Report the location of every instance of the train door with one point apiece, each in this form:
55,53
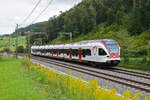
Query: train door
94,53
80,55
70,54
102,54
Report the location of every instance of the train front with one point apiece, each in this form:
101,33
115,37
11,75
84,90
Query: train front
113,50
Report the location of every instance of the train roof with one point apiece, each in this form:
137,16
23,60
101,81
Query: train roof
94,41
85,42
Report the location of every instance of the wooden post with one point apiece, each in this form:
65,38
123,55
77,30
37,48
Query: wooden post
17,41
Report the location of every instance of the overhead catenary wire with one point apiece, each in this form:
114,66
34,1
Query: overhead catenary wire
42,11
32,11
75,2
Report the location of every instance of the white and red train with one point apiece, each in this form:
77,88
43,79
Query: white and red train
96,52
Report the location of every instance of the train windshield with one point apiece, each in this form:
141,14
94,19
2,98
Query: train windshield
112,46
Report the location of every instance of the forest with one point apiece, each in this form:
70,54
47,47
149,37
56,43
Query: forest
126,21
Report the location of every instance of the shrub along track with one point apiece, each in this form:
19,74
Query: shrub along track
143,86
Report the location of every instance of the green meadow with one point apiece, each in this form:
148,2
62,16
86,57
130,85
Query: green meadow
18,83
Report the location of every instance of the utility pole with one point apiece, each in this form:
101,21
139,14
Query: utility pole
9,40
29,45
8,45
17,41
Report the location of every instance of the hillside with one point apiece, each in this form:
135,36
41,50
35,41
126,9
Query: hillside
123,20
25,30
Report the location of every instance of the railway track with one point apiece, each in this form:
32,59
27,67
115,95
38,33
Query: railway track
133,73
142,86
119,70
122,71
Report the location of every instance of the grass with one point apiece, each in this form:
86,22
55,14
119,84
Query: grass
139,64
4,42
17,83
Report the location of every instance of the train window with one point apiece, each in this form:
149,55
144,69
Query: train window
75,52
60,51
64,51
51,51
68,51
86,52
102,52
47,51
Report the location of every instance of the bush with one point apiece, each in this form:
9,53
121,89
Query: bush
144,60
7,50
21,49
141,52
145,35
26,61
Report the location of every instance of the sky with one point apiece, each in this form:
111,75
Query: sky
13,12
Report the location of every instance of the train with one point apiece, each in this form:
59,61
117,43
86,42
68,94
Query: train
100,53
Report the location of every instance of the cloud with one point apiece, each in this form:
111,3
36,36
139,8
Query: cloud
15,11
